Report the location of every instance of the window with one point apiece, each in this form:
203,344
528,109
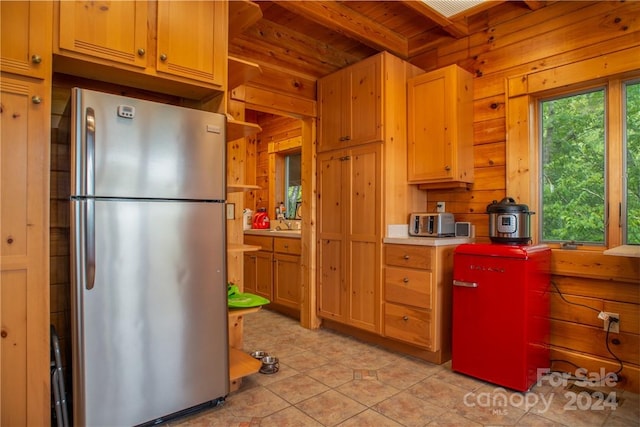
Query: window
589,165
292,183
631,201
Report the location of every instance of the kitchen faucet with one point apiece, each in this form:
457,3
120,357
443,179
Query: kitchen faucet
286,223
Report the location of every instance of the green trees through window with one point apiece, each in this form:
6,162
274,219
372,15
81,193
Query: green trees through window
574,180
632,160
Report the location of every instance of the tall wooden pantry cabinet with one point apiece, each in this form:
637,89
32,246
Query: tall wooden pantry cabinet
25,108
362,185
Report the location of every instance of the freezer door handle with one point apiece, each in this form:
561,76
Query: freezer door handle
465,284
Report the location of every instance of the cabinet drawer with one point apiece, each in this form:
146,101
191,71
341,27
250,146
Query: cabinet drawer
407,286
287,246
265,243
408,324
408,256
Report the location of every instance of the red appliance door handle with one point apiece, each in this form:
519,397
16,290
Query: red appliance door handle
465,284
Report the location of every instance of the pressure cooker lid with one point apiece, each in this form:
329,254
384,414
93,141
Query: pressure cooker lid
507,205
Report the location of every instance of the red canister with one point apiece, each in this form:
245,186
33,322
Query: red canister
261,219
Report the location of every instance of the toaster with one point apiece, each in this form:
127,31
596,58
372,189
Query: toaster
427,224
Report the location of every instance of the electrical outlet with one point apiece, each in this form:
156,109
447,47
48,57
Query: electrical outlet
231,211
439,206
615,326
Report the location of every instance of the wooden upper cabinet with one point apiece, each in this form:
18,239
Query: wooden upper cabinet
113,30
440,121
192,40
25,40
350,105
173,47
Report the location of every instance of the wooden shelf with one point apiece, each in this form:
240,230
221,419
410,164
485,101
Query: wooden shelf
239,247
242,15
444,185
241,364
237,312
239,188
240,72
237,129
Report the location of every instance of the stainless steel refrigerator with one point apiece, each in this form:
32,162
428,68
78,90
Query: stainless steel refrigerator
149,297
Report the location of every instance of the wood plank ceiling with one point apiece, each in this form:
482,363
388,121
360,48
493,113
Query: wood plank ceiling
297,42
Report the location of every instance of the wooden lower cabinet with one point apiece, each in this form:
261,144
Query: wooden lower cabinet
24,251
274,272
417,297
258,267
287,273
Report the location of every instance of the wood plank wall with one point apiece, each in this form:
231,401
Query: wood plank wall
510,41
274,128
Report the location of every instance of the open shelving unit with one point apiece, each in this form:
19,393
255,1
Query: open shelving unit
241,15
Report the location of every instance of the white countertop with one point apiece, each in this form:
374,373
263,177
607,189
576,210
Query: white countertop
294,234
428,241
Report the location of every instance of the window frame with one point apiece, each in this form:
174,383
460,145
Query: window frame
522,149
578,89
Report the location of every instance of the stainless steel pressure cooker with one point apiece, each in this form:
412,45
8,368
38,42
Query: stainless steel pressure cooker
509,222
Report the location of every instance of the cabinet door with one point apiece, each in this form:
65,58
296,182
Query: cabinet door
115,30
332,98
430,126
363,109
350,106
192,40
250,265
24,244
363,236
264,274
331,196
25,39
287,277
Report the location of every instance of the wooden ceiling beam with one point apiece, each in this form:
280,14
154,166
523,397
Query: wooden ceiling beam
350,23
457,29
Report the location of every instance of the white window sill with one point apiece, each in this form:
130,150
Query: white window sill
624,250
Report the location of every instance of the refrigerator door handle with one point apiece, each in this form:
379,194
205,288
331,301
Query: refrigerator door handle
90,132
90,243
465,284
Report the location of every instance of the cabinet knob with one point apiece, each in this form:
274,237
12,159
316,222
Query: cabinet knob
36,99
286,246
3,334
405,280
406,257
447,168
9,240
141,52
347,138
405,318
36,59
341,138
163,57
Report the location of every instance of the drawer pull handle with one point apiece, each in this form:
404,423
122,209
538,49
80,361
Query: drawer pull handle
465,284
405,280
406,257
405,318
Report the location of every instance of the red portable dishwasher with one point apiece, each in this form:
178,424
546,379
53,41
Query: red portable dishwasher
501,312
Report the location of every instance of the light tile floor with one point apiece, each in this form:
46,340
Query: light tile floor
328,379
